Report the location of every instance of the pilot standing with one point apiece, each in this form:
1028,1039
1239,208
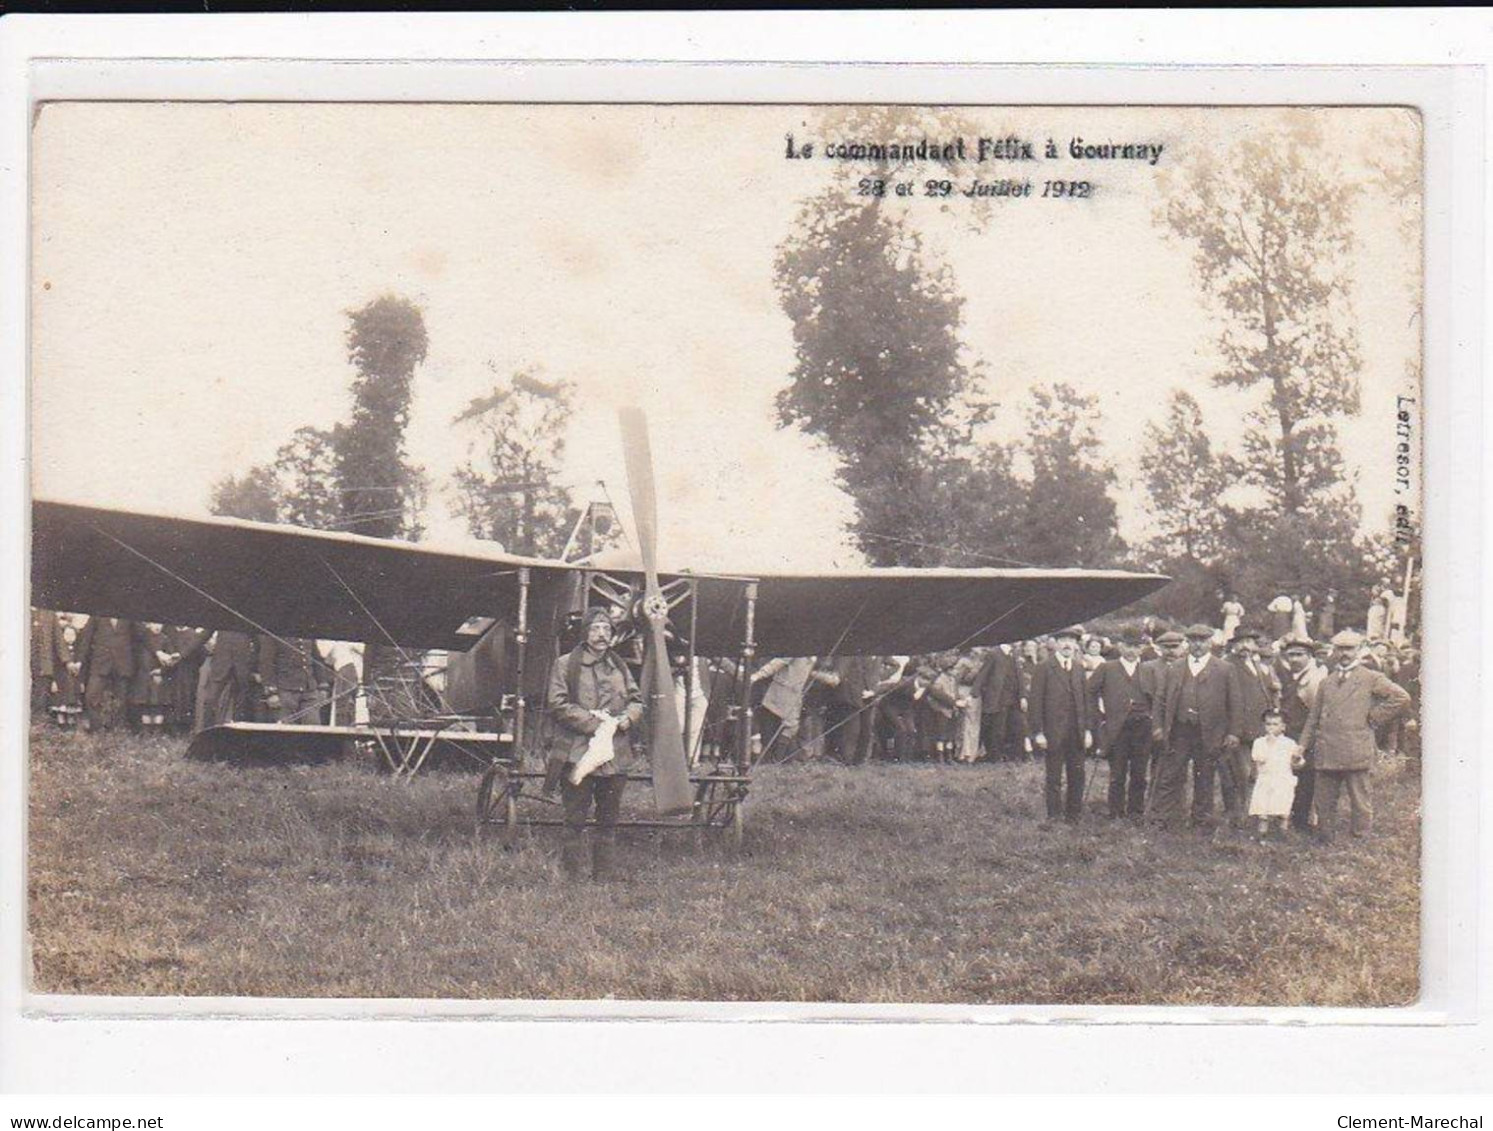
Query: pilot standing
592,680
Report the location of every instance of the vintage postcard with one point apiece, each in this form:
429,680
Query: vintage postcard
696,552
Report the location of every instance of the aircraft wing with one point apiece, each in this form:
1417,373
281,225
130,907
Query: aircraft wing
882,612
255,577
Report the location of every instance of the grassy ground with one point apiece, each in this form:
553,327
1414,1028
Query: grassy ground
152,875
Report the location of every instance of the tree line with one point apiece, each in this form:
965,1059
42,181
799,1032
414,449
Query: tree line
883,377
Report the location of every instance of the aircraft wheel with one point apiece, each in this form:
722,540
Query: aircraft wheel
497,804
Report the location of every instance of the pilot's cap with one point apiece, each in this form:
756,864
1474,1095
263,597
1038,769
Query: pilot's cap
594,614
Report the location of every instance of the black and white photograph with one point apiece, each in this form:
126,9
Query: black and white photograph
684,552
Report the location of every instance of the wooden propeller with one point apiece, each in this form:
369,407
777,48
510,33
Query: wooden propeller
671,786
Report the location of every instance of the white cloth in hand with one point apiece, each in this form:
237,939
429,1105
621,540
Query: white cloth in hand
598,750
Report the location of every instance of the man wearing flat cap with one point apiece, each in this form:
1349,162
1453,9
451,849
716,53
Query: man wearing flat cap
1197,720
1351,702
1170,646
1058,719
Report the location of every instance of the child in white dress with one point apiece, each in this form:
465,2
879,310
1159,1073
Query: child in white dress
1276,759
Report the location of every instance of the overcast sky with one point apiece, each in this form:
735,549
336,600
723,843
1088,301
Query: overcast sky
193,266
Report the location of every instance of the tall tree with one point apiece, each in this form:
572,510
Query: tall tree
1270,230
1069,517
1270,226
508,489
880,373
381,494
1185,479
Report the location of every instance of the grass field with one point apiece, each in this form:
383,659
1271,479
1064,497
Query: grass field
153,875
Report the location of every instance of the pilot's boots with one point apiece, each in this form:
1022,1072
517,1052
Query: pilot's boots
573,855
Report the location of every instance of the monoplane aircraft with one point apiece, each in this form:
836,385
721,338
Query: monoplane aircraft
503,618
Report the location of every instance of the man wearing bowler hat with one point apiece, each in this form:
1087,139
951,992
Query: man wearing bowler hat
1197,720
1352,701
1058,719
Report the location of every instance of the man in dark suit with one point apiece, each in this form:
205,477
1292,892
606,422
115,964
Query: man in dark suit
182,675
230,674
106,650
847,718
1298,691
1197,720
1259,689
1058,717
1170,646
1122,693
997,685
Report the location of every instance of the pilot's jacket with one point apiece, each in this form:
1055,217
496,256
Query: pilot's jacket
582,683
